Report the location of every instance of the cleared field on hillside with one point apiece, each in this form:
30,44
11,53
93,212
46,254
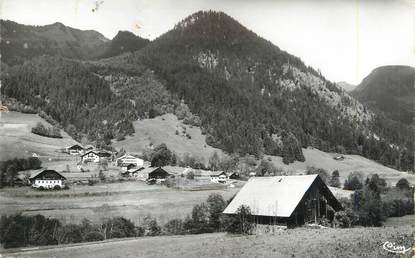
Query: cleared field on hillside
300,242
351,163
16,139
163,129
133,200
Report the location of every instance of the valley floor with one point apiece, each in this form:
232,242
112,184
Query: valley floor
300,242
133,200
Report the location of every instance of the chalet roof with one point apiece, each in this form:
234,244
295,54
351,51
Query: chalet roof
217,173
177,170
104,154
86,153
75,147
158,172
276,196
48,174
127,156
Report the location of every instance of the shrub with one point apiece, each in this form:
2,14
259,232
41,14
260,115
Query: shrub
174,227
402,184
240,222
335,179
368,206
216,205
93,236
319,171
40,129
190,175
375,183
341,220
151,226
57,187
119,227
200,219
161,156
353,182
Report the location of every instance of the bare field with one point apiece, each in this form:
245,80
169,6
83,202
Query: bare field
17,140
133,200
299,242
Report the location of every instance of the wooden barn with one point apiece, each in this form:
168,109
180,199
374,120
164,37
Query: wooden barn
286,200
158,174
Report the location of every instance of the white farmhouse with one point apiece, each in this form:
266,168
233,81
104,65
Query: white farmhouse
218,177
90,156
48,179
129,159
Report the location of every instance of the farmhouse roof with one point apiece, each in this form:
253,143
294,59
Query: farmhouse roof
127,156
276,196
89,152
158,172
104,153
217,173
48,174
177,170
75,147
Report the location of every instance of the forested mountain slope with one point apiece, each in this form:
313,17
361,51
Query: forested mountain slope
20,42
390,89
254,98
247,95
124,41
80,101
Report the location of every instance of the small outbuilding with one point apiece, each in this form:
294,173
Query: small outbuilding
234,175
158,174
286,200
48,179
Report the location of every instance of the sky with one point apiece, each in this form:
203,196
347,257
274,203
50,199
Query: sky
344,39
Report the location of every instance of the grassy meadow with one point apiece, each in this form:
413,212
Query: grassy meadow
133,200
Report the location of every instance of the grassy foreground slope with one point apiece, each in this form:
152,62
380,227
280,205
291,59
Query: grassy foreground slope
300,242
17,140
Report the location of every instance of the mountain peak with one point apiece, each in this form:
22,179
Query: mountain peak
212,23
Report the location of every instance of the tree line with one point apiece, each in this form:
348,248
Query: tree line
10,168
21,230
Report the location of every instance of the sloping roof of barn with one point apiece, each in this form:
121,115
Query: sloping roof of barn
276,196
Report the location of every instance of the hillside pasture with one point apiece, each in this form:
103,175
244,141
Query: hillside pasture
351,163
171,131
17,140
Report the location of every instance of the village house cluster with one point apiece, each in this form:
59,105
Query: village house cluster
129,167
278,200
